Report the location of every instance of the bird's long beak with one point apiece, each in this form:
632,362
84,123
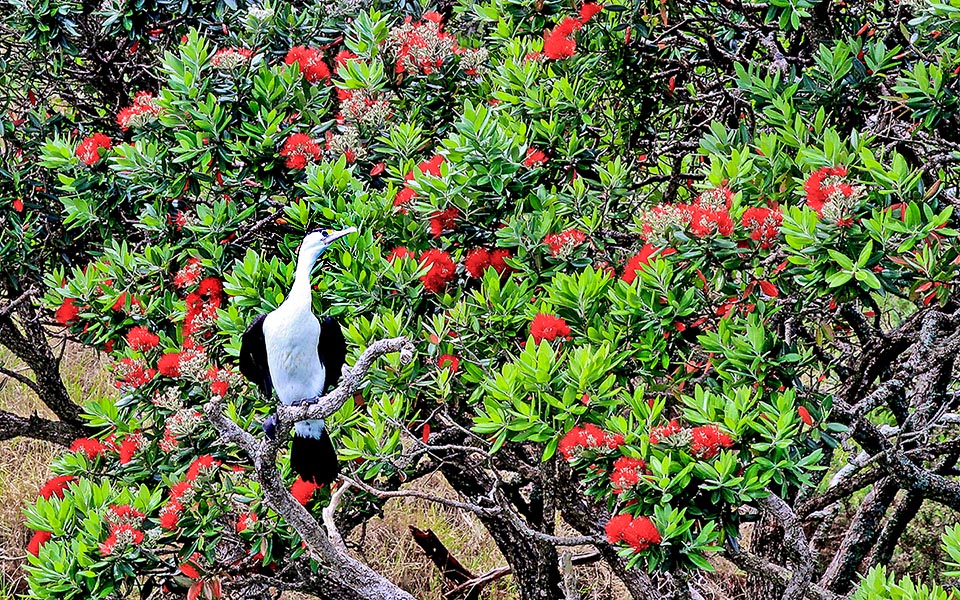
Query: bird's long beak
335,235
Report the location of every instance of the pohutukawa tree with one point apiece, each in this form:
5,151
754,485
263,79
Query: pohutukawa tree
633,278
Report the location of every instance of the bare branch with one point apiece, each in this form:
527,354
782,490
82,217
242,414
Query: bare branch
796,542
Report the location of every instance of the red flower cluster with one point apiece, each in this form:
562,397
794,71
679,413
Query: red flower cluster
141,339
588,10
246,520
642,258
342,57
442,270
299,149
639,533
190,274
219,380
705,220
535,158
400,252
124,514
708,440
429,167
88,150
180,494
91,447
448,360
421,47
587,437
763,223
143,110
231,58
202,466
442,221
478,259
121,302
565,241
548,327
824,183
659,434
311,64
120,536
39,538
303,491
202,308
719,198
133,373
626,473
68,313
128,447
55,486
169,364
557,44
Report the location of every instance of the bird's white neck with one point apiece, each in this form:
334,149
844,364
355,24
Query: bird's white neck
301,292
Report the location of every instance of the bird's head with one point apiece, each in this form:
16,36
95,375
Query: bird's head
318,240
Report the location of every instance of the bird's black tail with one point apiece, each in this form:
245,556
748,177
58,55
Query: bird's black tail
314,459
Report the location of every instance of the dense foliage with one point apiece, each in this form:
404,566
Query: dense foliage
639,269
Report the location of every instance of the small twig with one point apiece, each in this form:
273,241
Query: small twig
4,311
328,513
476,509
482,580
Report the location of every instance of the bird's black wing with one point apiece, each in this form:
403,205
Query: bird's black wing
253,357
332,349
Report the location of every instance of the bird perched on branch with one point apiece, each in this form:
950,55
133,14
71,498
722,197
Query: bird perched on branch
289,350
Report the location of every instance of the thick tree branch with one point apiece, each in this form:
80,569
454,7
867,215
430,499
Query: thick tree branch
36,427
796,543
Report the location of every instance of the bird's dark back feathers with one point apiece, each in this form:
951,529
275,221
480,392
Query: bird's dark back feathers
253,357
332,349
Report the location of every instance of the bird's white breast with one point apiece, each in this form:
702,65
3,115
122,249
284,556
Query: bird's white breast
291,338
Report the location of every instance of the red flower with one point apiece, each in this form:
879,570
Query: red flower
565,241
497,262
68,312
442,270
219,380
719,198
169,364
170,515
476,262
121,535
190,568
639,533
246,520
548,327
299,149
805,415
143,110
824,183
203,465
128,448
587,437
88,150
124,514
230,58
432,166
303,491
121,302
342,57
400,252
89,446
311,63
55,487
443,220
39,538
133,373
706,221
659,434
403,196
626,473
140,338
642,258
763,223
448,360
708,440
535,158
557,43
190,274
588,10
18,205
